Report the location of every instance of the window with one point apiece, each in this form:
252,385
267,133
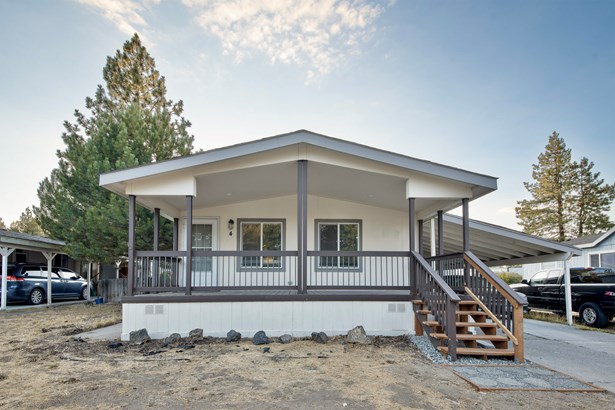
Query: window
539,278
261,236
602,260
338,236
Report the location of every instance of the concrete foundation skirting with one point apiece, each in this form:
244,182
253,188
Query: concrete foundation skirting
276,318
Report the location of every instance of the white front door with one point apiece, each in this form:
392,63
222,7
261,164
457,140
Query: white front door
204,238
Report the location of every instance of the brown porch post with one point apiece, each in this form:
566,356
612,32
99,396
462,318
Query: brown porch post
421,237
156,266
302,226
466,236
188,244
175,233
132,202
411,214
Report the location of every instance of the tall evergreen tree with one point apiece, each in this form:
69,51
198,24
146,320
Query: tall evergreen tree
130,123
546,214
2,225
591,200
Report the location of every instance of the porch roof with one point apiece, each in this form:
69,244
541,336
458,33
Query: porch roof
236,173
496,245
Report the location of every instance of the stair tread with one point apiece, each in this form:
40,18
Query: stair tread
471,312
494,338
417,302
477,351
424,311
467,302
476,324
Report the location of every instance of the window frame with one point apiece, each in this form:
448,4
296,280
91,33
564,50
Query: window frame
240,266
317,222
599,254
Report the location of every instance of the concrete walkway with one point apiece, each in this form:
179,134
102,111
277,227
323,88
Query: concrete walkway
588,355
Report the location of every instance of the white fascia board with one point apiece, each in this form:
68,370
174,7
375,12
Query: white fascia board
600,239
514,235
301,137
553,257
163,185
425,186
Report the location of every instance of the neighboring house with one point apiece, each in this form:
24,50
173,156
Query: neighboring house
597,251
302,232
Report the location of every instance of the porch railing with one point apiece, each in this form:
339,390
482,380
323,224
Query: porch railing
439,298
358,270
164,271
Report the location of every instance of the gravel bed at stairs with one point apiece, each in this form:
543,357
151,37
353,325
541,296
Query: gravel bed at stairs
425,346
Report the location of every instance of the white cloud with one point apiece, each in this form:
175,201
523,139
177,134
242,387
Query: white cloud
317,34
127,15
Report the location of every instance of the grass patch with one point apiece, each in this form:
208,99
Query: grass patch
555,318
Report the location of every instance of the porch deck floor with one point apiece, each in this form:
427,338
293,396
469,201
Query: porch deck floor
254,295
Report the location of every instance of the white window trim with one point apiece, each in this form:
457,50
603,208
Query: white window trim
589,257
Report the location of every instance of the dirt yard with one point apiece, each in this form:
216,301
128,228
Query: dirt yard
43,365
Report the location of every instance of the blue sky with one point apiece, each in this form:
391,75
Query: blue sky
478,85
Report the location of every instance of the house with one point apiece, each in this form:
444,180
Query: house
597,251
302,232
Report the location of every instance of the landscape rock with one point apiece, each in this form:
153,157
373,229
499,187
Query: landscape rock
233,336
196,333
260,338
358,335
139,337
286,338
320,337
172,338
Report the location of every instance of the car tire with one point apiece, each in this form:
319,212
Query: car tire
591,315
84,293
36,296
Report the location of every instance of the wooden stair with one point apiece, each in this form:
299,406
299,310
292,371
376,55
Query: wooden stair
485,342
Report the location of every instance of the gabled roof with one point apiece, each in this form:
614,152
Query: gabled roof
590,241
496,245
488,183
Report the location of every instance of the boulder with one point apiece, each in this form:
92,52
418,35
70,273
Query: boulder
196,333
286,339
358,335
172,338
260,338
320,337
233,336
139,337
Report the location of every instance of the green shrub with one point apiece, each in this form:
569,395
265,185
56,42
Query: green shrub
510,277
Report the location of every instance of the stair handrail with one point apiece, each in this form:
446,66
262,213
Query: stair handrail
449,321
492,316
494,279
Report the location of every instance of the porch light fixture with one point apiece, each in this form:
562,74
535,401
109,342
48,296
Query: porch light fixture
231,225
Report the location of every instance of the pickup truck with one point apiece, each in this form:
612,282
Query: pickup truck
592,290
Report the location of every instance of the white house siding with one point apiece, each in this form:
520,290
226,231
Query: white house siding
299,319
382,230
607,245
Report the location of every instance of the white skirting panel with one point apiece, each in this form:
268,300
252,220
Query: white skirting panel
299,319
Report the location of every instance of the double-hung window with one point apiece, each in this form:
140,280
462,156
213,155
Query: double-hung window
602,260
261,235
338,236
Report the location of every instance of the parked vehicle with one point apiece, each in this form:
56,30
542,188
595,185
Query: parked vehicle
28,283
592,291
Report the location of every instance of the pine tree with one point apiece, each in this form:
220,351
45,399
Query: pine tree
130,123
2,225
591,200
547,213
27,224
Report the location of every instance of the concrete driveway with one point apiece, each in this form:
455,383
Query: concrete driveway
588,355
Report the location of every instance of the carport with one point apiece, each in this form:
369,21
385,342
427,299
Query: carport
10,241
495,246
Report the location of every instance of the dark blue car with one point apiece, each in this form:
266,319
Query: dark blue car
28,283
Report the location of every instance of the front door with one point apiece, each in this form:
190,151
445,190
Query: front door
204,238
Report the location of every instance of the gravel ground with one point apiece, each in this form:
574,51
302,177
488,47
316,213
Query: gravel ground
430,352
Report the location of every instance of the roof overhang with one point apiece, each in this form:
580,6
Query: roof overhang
17,240
266,168
496,245
597,241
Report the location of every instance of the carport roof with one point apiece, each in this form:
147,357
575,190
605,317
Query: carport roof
28,242
496,245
